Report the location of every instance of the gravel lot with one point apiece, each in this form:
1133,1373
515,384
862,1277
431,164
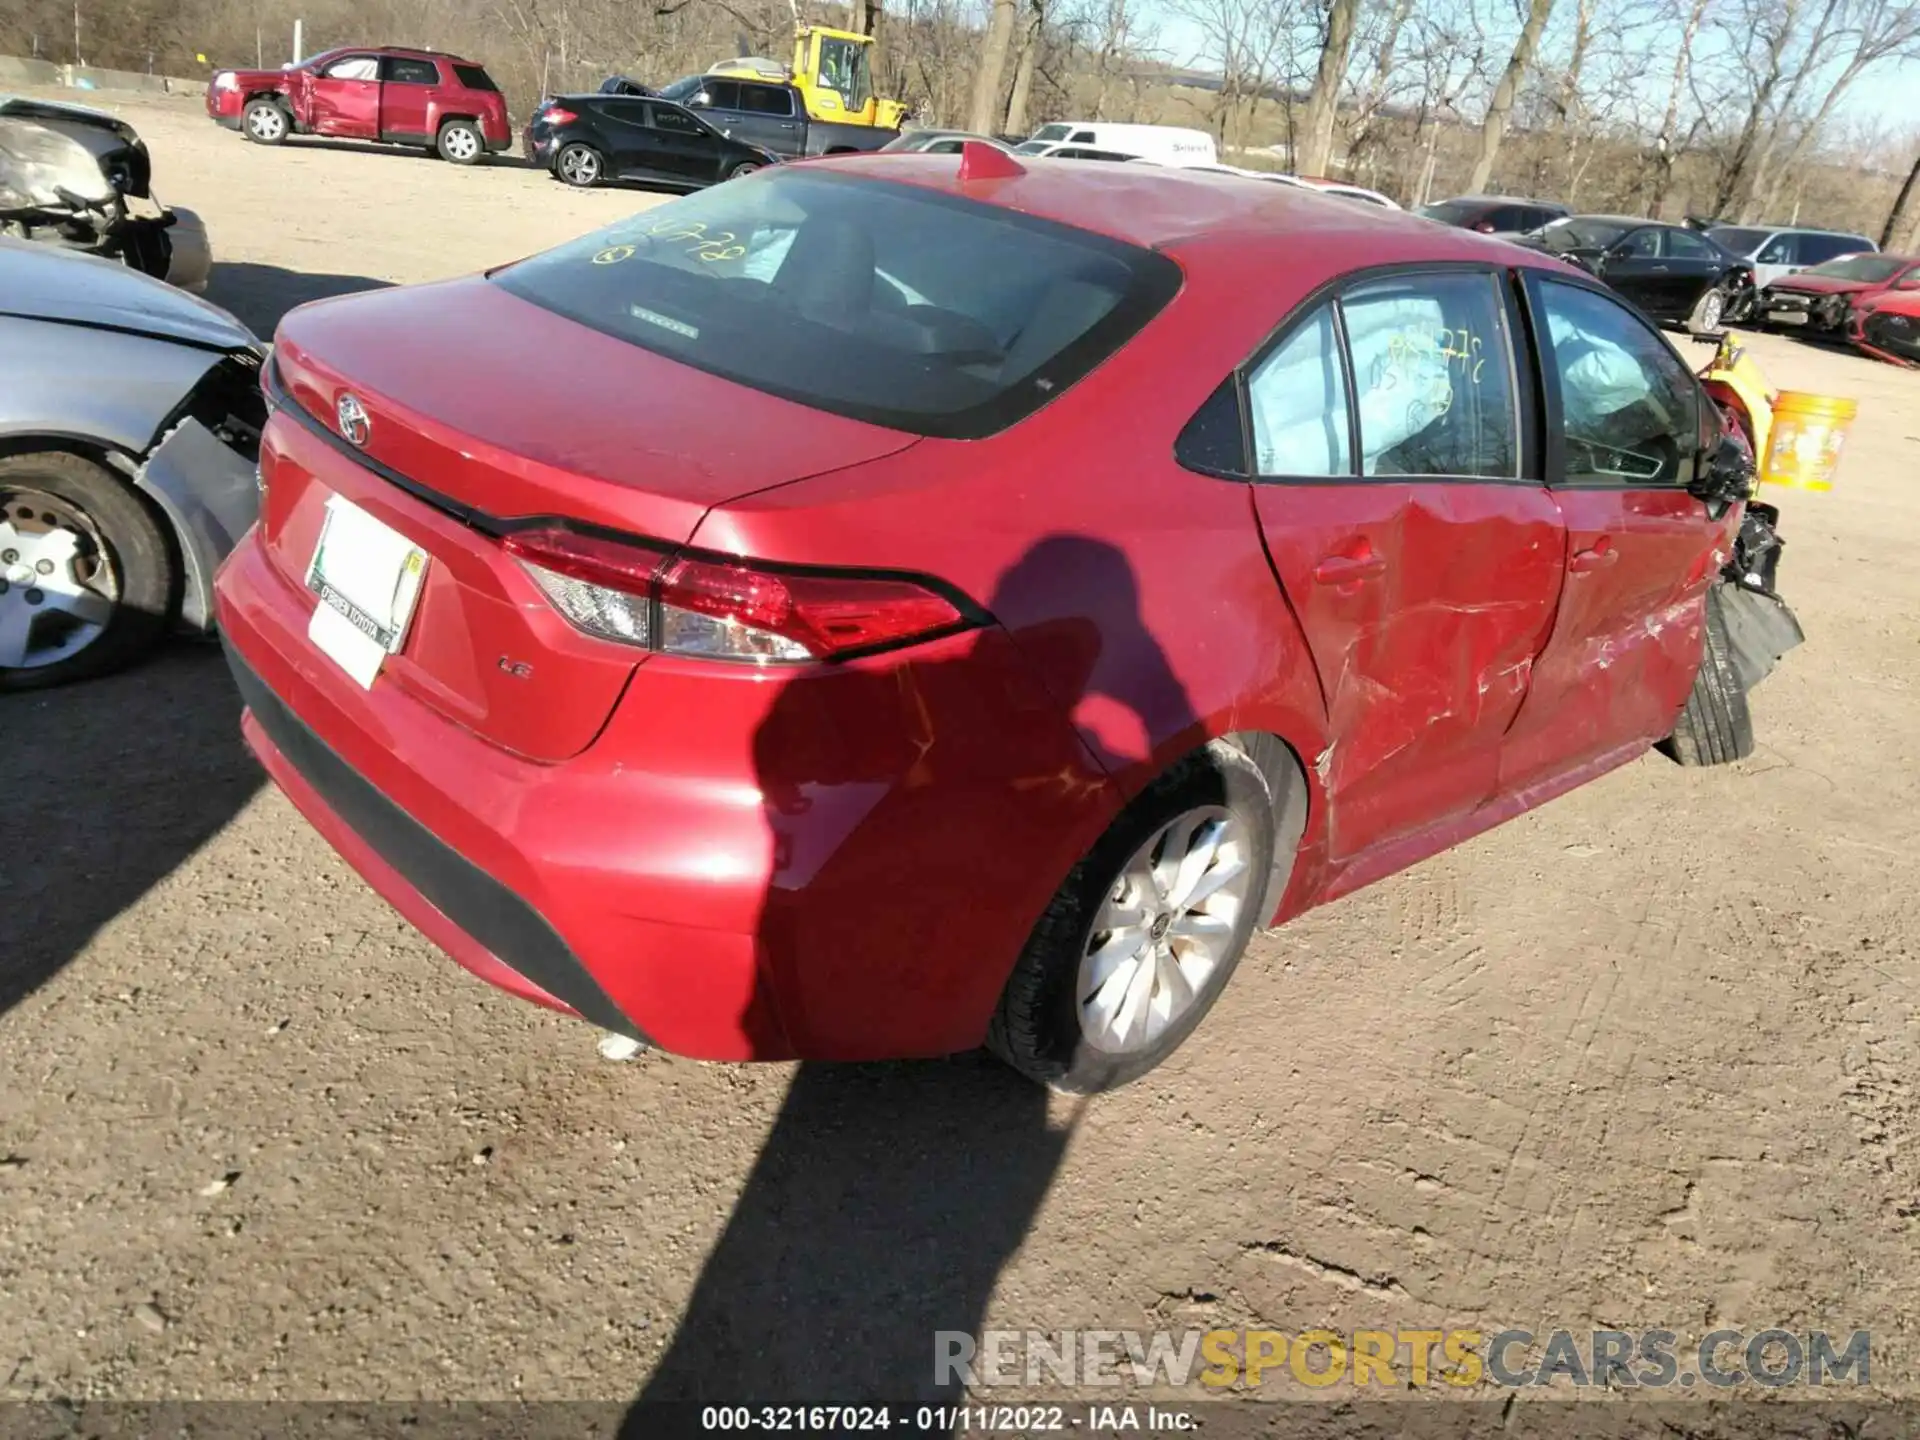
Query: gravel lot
1643,1058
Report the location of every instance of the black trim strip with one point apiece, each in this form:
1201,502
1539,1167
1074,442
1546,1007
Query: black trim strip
498,920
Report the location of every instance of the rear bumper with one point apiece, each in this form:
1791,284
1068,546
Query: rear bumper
729,871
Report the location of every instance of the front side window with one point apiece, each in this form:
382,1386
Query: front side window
843,70
885,302
353,67
1433,376
1298,399
1641,245
1629,409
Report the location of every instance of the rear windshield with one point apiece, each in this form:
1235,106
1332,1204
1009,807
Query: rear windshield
1739,239
880,301
474,78
1869,269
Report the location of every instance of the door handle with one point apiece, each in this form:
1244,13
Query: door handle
1359,564
1585,562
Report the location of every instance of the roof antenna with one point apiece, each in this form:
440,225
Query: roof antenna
981,161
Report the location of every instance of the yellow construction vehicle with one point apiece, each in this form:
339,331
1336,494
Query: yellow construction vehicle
832,70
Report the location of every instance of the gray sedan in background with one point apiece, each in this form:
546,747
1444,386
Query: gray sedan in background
130,419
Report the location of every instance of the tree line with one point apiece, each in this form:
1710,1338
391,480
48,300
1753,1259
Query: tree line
1734,109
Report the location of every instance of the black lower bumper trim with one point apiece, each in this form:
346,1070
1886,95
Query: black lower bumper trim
498,920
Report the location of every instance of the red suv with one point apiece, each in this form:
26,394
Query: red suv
403,97
885,604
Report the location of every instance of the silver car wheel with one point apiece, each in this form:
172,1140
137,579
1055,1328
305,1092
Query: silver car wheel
1711,309
579,165
1165,927
266,122
461,143
57,588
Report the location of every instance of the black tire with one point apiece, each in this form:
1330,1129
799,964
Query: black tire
272,124
1715,727
136,546
1036,1028
579,165
744,168
460,142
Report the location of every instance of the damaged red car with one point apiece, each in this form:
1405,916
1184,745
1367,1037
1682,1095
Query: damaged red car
920,601
1888,324
1824,298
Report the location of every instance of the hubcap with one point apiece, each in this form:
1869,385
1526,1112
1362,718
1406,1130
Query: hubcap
1711,313
57,588
1164,929
266,123
462,143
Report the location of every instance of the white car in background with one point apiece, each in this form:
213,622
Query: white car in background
1776,250
1166,144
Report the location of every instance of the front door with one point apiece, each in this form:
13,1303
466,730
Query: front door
346,98
406,87
1422,567
1636,269
684,149
1624,441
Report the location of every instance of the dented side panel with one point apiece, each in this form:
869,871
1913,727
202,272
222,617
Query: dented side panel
104,387
1425,656
208,491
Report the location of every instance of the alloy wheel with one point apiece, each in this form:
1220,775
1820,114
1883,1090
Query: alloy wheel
579,165
1165,927
266,122
461,143
58,587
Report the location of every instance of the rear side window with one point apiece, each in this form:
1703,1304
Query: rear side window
474,78
1685,245
1298,398
766,100
884,302
399,70
1432,376
665,117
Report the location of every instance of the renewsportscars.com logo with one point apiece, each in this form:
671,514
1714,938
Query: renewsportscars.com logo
1220,1360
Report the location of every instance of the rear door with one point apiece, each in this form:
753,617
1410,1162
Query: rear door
406,85
346,98
1422,564
769,119
1634,267
1624,439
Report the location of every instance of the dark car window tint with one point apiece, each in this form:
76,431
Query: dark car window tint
1630,410
1451,212
1504,217
1298,399
665,117
1739,239
1432,376
1685,245
1084,137
1817,249
723,94
885,302
399,70
1213,442
1642,244
474,78
766,100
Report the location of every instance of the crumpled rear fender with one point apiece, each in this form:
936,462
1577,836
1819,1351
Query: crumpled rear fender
98,387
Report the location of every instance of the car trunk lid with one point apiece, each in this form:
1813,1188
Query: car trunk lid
482,412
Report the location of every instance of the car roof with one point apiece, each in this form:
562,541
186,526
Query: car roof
1166,207
404,52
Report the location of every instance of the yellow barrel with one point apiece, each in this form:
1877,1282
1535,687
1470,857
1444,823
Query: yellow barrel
1808,433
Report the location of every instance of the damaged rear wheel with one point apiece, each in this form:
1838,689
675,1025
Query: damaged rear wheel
88,580
1716,727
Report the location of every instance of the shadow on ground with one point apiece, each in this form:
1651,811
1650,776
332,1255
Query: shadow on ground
111,784
261,294
503,161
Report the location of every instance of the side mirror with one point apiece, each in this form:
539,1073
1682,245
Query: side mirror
1726,473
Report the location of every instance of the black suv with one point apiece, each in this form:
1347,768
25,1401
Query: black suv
587,139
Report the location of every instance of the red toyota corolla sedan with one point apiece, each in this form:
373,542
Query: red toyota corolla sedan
895,603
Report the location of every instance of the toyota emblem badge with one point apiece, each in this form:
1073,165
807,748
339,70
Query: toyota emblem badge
354,423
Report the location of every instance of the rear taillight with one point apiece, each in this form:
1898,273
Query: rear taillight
557,115
715,609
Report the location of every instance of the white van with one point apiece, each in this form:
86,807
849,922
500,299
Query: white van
1166,144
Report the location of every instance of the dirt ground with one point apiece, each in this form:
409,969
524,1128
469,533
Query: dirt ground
1642,1058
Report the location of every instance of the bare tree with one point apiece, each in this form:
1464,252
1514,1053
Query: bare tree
1336,44
987,80
1494,128
1032,39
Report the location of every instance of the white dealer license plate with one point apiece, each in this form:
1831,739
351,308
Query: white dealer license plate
368,578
